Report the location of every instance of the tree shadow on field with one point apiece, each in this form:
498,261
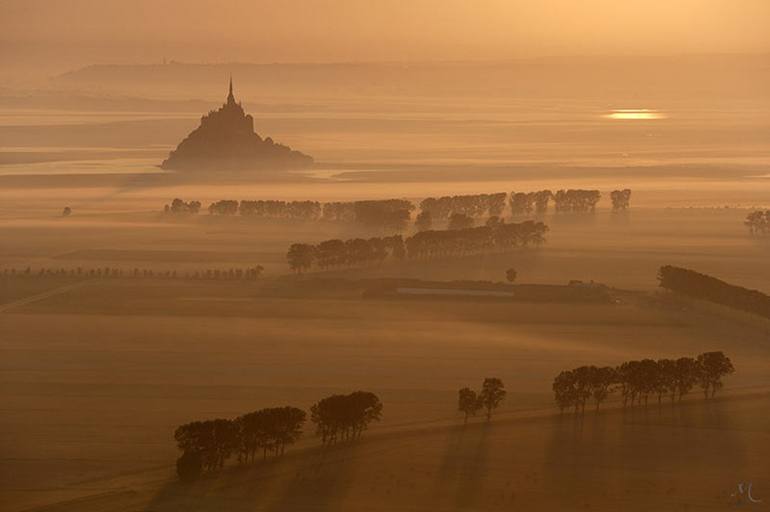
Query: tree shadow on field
463,467
312,480
321,481
684,456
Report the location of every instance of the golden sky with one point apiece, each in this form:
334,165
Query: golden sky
67,33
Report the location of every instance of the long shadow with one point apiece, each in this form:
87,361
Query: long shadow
320,481
685,455
462,468
313,479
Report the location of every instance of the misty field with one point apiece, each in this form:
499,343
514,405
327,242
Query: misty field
95,380
119,322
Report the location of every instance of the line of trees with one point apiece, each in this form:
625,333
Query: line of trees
489,238
525,203
492,394
396,213
345,417
474,206
636,381
576,200
758,222
702,286
224,207
337,253
207,445
248,273
179,206
296,210
393,214
521,204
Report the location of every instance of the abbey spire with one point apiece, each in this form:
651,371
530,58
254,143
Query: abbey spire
230,96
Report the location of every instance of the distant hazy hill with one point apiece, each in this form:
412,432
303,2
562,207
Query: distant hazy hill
588,77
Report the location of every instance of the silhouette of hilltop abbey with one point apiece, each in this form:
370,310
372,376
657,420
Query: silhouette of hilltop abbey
226,139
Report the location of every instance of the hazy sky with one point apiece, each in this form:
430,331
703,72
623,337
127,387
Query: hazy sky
60,34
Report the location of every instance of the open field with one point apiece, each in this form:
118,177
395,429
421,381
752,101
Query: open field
667,459
632,247
96,373
96,379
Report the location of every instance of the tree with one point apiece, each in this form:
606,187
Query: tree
565,390
424,221
223,207
667,379
342,417
66,212
284,426
301,257
178,206
522,203
620,199
189,466
468,403
601,381
213,440
460,221
510,275
583,387
494,221
758,222
705,287
492,394
712,367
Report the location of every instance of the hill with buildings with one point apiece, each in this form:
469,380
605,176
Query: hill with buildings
226,139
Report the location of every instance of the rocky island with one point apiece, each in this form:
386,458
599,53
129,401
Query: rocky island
226,139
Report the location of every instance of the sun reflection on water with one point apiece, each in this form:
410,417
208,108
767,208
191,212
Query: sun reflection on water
636,114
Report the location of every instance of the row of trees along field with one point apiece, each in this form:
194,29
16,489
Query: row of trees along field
228,274
758,222
636,381
520,203
423,245
470,402
207,445
393,214
396,213
179,206
705,287
345,417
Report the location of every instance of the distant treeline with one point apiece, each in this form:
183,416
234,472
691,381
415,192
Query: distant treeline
396,213
702,286
422,245
348,253
207,445
248,273
474,206
178,206
520,203
758,222
490,238
636,381
392,214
